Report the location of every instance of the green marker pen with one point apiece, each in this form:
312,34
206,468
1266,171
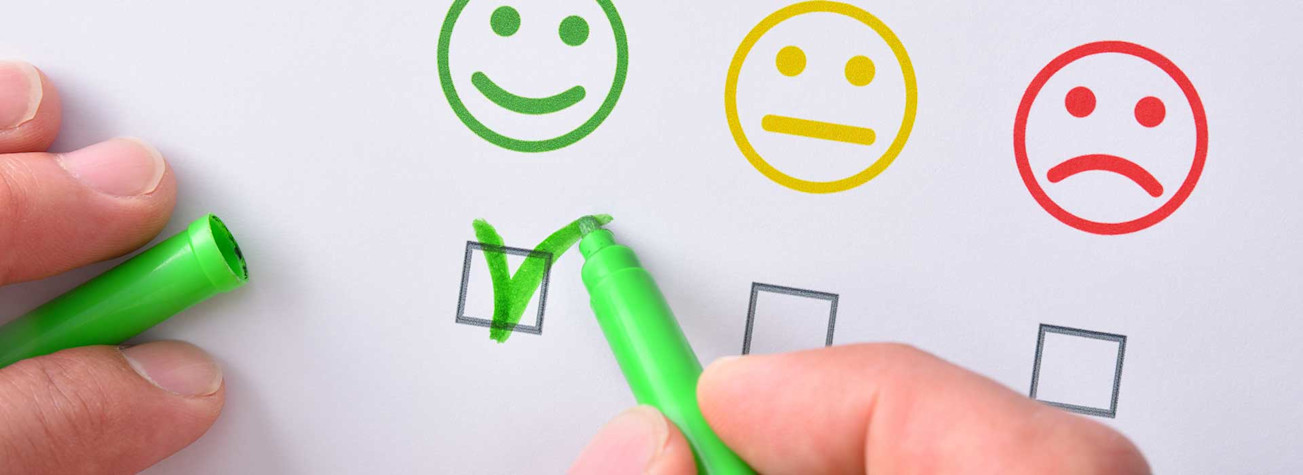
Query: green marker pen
654,356
184,270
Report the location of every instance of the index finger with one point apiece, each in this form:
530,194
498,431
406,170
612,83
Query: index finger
886,408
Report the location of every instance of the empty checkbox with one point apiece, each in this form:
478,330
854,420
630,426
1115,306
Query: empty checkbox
782,319
475,303
1078,370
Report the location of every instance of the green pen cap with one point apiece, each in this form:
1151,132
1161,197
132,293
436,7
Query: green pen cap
181,271
654,355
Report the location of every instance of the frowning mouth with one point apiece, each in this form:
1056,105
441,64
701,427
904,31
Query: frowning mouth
1108,163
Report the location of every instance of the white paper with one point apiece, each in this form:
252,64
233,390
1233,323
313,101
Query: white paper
320,132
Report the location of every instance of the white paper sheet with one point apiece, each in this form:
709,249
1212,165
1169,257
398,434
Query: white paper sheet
321,133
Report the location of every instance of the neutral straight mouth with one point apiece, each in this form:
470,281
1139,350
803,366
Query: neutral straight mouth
818,130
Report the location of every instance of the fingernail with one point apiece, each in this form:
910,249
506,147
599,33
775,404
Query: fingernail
20,93
177,367
118,167
627,444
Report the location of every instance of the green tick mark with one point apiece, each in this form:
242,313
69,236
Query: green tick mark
511,294
525,105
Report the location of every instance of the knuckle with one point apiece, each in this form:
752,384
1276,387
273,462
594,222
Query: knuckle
11,190
65,398
12,204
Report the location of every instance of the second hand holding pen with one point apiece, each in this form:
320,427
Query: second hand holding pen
653,354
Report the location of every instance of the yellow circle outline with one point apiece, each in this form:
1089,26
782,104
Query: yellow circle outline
735,70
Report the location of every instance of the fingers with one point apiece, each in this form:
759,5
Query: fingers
100,410
893,409
58,212
29,109
639,440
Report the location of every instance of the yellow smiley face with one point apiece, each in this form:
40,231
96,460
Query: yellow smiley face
824,81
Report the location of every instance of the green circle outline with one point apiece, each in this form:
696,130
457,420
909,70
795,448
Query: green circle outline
546,145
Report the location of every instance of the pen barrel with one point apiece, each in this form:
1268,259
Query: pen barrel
654,355
127,300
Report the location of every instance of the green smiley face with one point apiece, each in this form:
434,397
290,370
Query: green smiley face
573,32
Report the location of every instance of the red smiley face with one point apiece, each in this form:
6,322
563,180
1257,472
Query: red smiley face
1148,112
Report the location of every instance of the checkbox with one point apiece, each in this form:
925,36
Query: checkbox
782,319
1078,370
475,303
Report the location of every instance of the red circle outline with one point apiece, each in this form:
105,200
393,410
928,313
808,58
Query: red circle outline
1034,89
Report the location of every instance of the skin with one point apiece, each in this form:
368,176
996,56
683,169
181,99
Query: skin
867,408
877,408
91,409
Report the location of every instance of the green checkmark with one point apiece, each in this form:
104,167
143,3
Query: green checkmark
511,294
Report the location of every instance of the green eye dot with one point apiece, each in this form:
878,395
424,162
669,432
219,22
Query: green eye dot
573,31
505,21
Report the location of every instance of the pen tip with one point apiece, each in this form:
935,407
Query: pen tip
588,224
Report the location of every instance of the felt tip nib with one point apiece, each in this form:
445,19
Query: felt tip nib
588,224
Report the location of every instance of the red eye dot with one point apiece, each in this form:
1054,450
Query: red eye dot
1080,101
1150,111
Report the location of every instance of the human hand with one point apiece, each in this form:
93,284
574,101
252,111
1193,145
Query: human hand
867,408
95,409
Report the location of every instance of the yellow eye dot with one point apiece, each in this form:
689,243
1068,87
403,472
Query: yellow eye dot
790,61
860,70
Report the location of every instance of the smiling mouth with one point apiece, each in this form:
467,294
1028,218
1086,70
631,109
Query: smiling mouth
818,130
526,105
1108,163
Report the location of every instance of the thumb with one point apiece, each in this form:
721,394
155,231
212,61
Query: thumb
98,409
638,441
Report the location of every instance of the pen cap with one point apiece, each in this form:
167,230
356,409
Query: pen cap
217,254
181,271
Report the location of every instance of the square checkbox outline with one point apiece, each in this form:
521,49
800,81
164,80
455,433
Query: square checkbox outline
471,247
757,287
1121,340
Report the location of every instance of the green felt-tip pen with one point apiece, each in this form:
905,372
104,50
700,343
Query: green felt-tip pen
181,271
654,356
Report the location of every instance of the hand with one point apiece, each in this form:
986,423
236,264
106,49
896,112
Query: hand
94,409
868,408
